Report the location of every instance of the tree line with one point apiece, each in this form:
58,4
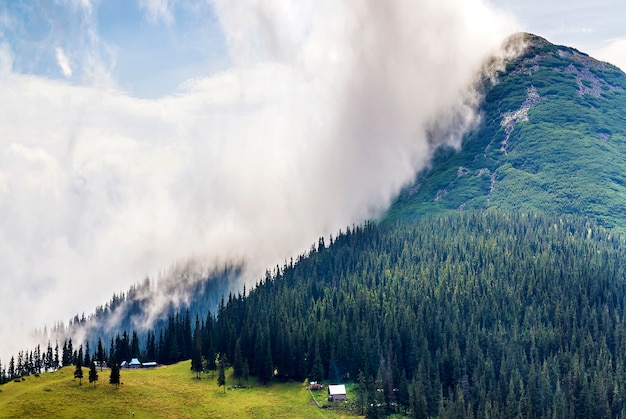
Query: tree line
31,362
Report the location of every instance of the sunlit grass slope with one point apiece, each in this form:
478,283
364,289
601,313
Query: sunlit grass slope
169,392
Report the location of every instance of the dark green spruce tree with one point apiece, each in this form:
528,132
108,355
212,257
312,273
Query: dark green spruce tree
317,372
56,363
246,372
87,360
48,365
78,372
221,375
134,345
114,378
196,350
93,374
238,363
100,355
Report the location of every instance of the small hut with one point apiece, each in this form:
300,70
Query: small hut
337,393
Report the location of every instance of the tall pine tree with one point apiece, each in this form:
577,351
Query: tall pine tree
56,362
238,362
100,356
196,351
221,376
78,372
115,375
93,374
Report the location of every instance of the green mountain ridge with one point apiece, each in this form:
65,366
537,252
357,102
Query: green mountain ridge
552,138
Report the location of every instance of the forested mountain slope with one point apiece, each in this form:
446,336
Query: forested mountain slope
465,315
495,284
552,138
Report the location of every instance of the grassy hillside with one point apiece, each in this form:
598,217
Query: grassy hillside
552,138
169,392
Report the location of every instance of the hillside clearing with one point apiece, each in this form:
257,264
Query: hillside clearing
166,392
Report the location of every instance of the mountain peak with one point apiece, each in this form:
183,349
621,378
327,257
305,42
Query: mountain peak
529,40
552,139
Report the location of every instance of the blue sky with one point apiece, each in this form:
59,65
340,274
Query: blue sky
146,48
596,27
149,47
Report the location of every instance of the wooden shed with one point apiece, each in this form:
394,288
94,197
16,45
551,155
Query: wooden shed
337,393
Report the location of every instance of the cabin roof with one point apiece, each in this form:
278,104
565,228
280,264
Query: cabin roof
336,389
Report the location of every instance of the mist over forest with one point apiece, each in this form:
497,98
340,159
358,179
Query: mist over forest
317,123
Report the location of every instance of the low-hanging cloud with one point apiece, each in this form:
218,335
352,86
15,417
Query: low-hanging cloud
327,111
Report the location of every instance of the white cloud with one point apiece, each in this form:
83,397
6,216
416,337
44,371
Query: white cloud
614,52
63,62
158,10
92,58
85,5
326,115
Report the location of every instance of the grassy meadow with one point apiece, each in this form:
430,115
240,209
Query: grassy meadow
167,392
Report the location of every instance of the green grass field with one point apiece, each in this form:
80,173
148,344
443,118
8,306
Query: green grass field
168,392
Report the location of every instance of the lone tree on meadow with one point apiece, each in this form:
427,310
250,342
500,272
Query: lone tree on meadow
93,374
78,372
115,375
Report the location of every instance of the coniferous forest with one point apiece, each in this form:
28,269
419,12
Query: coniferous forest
467,315
460,315
463,315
